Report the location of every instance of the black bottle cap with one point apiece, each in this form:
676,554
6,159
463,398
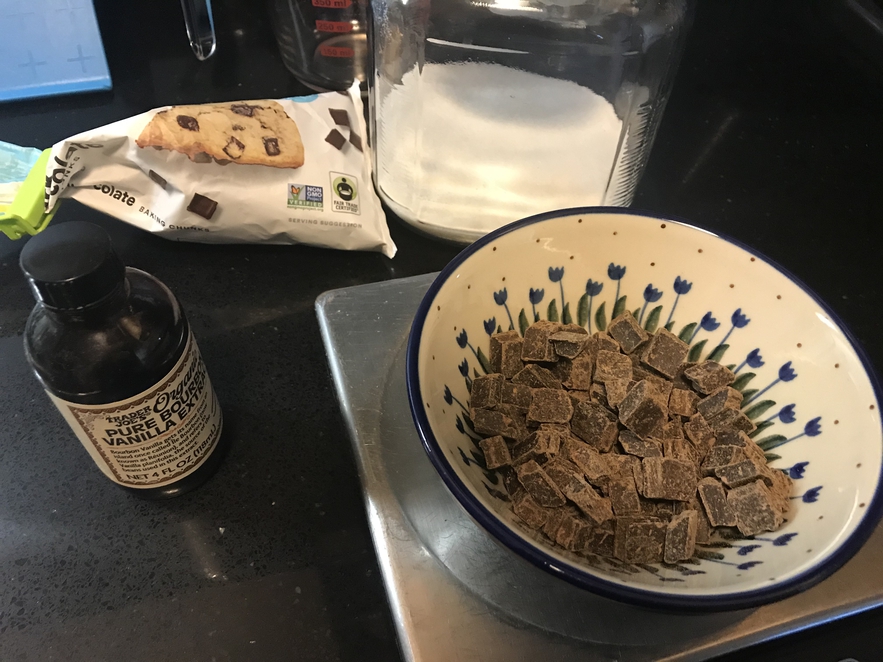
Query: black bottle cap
71,265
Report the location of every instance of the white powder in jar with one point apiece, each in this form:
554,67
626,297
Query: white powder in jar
465,148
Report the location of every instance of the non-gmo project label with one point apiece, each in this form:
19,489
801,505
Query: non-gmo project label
305,197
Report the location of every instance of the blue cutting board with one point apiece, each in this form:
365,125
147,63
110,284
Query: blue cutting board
50,47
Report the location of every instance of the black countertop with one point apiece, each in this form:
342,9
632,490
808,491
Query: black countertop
771,136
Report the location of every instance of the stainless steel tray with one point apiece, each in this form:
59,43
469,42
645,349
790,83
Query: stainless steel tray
458,595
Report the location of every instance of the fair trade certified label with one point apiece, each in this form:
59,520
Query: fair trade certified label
158,436
344,193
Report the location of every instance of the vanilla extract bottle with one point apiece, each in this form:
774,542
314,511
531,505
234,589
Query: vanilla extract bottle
114,351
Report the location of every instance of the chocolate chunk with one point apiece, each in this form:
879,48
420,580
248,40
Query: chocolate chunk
554,517
580,373
639,539
733,437
616,390
496,452
682,402
222,162
681,381
202,206
271,146
590,462
538,485
754,507
566,476
537,346
679,448
766,472
665,352
601,540
536,376
505,353
680,537
643,411
549,406
487,391
573,532
491,423
714,499
595,425
540,445
335,139
624,496
340,116
704,530
513,486
662,385
515,394
244,109
578,396
238,127
561,369
714,404
740,473
594,506
187,122
356,141
518,417
622,466
530,512
202,157
234,148
667,478
159,180
568,343
731,418
627,332
781,490
641,373
561,428
660,508
611,366
699,432
600,340
673,430
721,456
709,376
638,473
598,394
634,445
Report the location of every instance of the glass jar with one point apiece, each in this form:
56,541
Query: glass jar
488,111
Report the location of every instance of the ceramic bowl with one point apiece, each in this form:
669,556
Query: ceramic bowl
805,383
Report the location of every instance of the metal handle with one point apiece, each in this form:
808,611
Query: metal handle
200,27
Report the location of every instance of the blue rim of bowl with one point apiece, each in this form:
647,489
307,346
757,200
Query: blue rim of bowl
645,597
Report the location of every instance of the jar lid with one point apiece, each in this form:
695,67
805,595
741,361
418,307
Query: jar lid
71,265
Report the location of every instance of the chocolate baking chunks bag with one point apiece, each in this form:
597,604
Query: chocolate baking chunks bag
289,171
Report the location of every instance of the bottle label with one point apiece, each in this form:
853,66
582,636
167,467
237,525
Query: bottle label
158,436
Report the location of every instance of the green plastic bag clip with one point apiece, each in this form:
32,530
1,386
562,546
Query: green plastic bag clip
25,215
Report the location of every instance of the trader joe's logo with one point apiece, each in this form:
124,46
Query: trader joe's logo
305,197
